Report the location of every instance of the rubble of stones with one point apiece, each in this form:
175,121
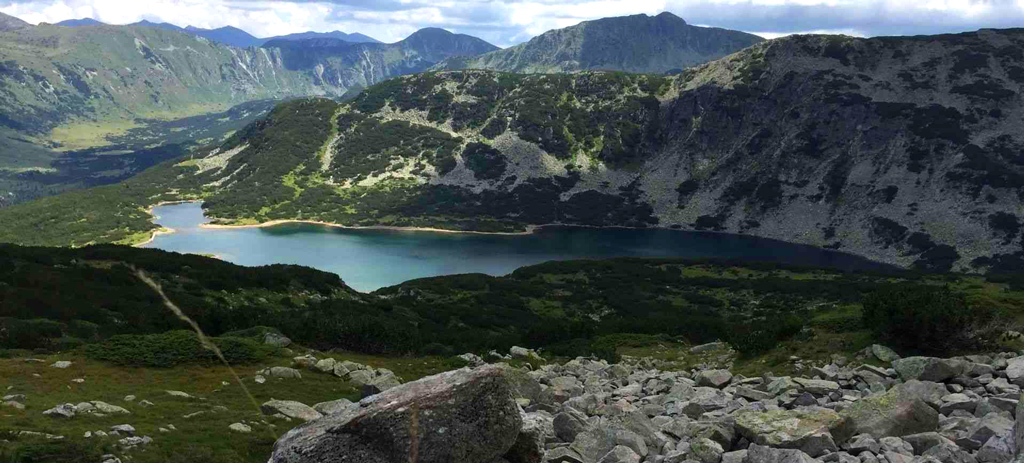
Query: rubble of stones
918,410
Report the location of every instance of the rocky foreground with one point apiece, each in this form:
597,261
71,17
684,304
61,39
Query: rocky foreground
920,409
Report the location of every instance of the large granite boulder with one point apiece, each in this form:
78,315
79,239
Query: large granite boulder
276,340
529,446
763,454
291,409
462,416
895,413
929,368
713,378
802,429
334,407
883,353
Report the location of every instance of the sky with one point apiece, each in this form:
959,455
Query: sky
508,22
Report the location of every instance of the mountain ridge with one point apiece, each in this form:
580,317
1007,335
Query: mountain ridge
11,23
230,35
80,22
637,43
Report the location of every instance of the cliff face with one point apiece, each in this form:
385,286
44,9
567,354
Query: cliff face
638,43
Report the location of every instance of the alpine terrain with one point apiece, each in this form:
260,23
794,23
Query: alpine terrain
639,43
903,150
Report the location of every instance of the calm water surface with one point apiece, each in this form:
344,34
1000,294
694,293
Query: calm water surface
371,259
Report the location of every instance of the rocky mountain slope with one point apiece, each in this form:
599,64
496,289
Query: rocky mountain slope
638,43
903,150
10,23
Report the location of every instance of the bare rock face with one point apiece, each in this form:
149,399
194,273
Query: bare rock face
462,416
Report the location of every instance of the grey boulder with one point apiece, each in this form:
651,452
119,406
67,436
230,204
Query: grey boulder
620,454
380,384
291,409
894,413
713,378
334,407
461,416
61,411
803,429
276,340
529,446
763,454
929,368
283,372
569,424
883,353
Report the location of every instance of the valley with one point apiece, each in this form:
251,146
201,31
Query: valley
69,92
806,139
38,172
630,240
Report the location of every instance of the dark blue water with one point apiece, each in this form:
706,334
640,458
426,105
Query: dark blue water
371,259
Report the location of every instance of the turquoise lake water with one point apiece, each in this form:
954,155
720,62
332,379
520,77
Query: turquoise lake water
372,259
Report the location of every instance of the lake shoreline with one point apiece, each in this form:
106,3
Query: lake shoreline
530,229
152,236
162,230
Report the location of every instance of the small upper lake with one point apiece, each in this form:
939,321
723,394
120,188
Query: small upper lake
372,259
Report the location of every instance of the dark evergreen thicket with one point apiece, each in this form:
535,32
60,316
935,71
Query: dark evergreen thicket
57,298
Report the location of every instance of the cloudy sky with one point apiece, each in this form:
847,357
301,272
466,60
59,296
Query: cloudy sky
507,22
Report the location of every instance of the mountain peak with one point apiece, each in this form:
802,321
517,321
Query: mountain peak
11,23
430,32
665,15
635,43
80,22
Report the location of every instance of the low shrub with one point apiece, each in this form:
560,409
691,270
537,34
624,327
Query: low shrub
454,363
760,336
436,348
176,348
256,332
29,334
65,451
928,319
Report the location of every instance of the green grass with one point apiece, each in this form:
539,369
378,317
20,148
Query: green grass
202,438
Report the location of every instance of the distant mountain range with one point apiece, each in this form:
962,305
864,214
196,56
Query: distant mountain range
637,43
231,35
80,22
84,84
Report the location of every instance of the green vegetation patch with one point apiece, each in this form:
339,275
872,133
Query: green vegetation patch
176,348
371,146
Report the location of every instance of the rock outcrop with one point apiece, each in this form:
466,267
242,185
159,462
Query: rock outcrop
462,416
